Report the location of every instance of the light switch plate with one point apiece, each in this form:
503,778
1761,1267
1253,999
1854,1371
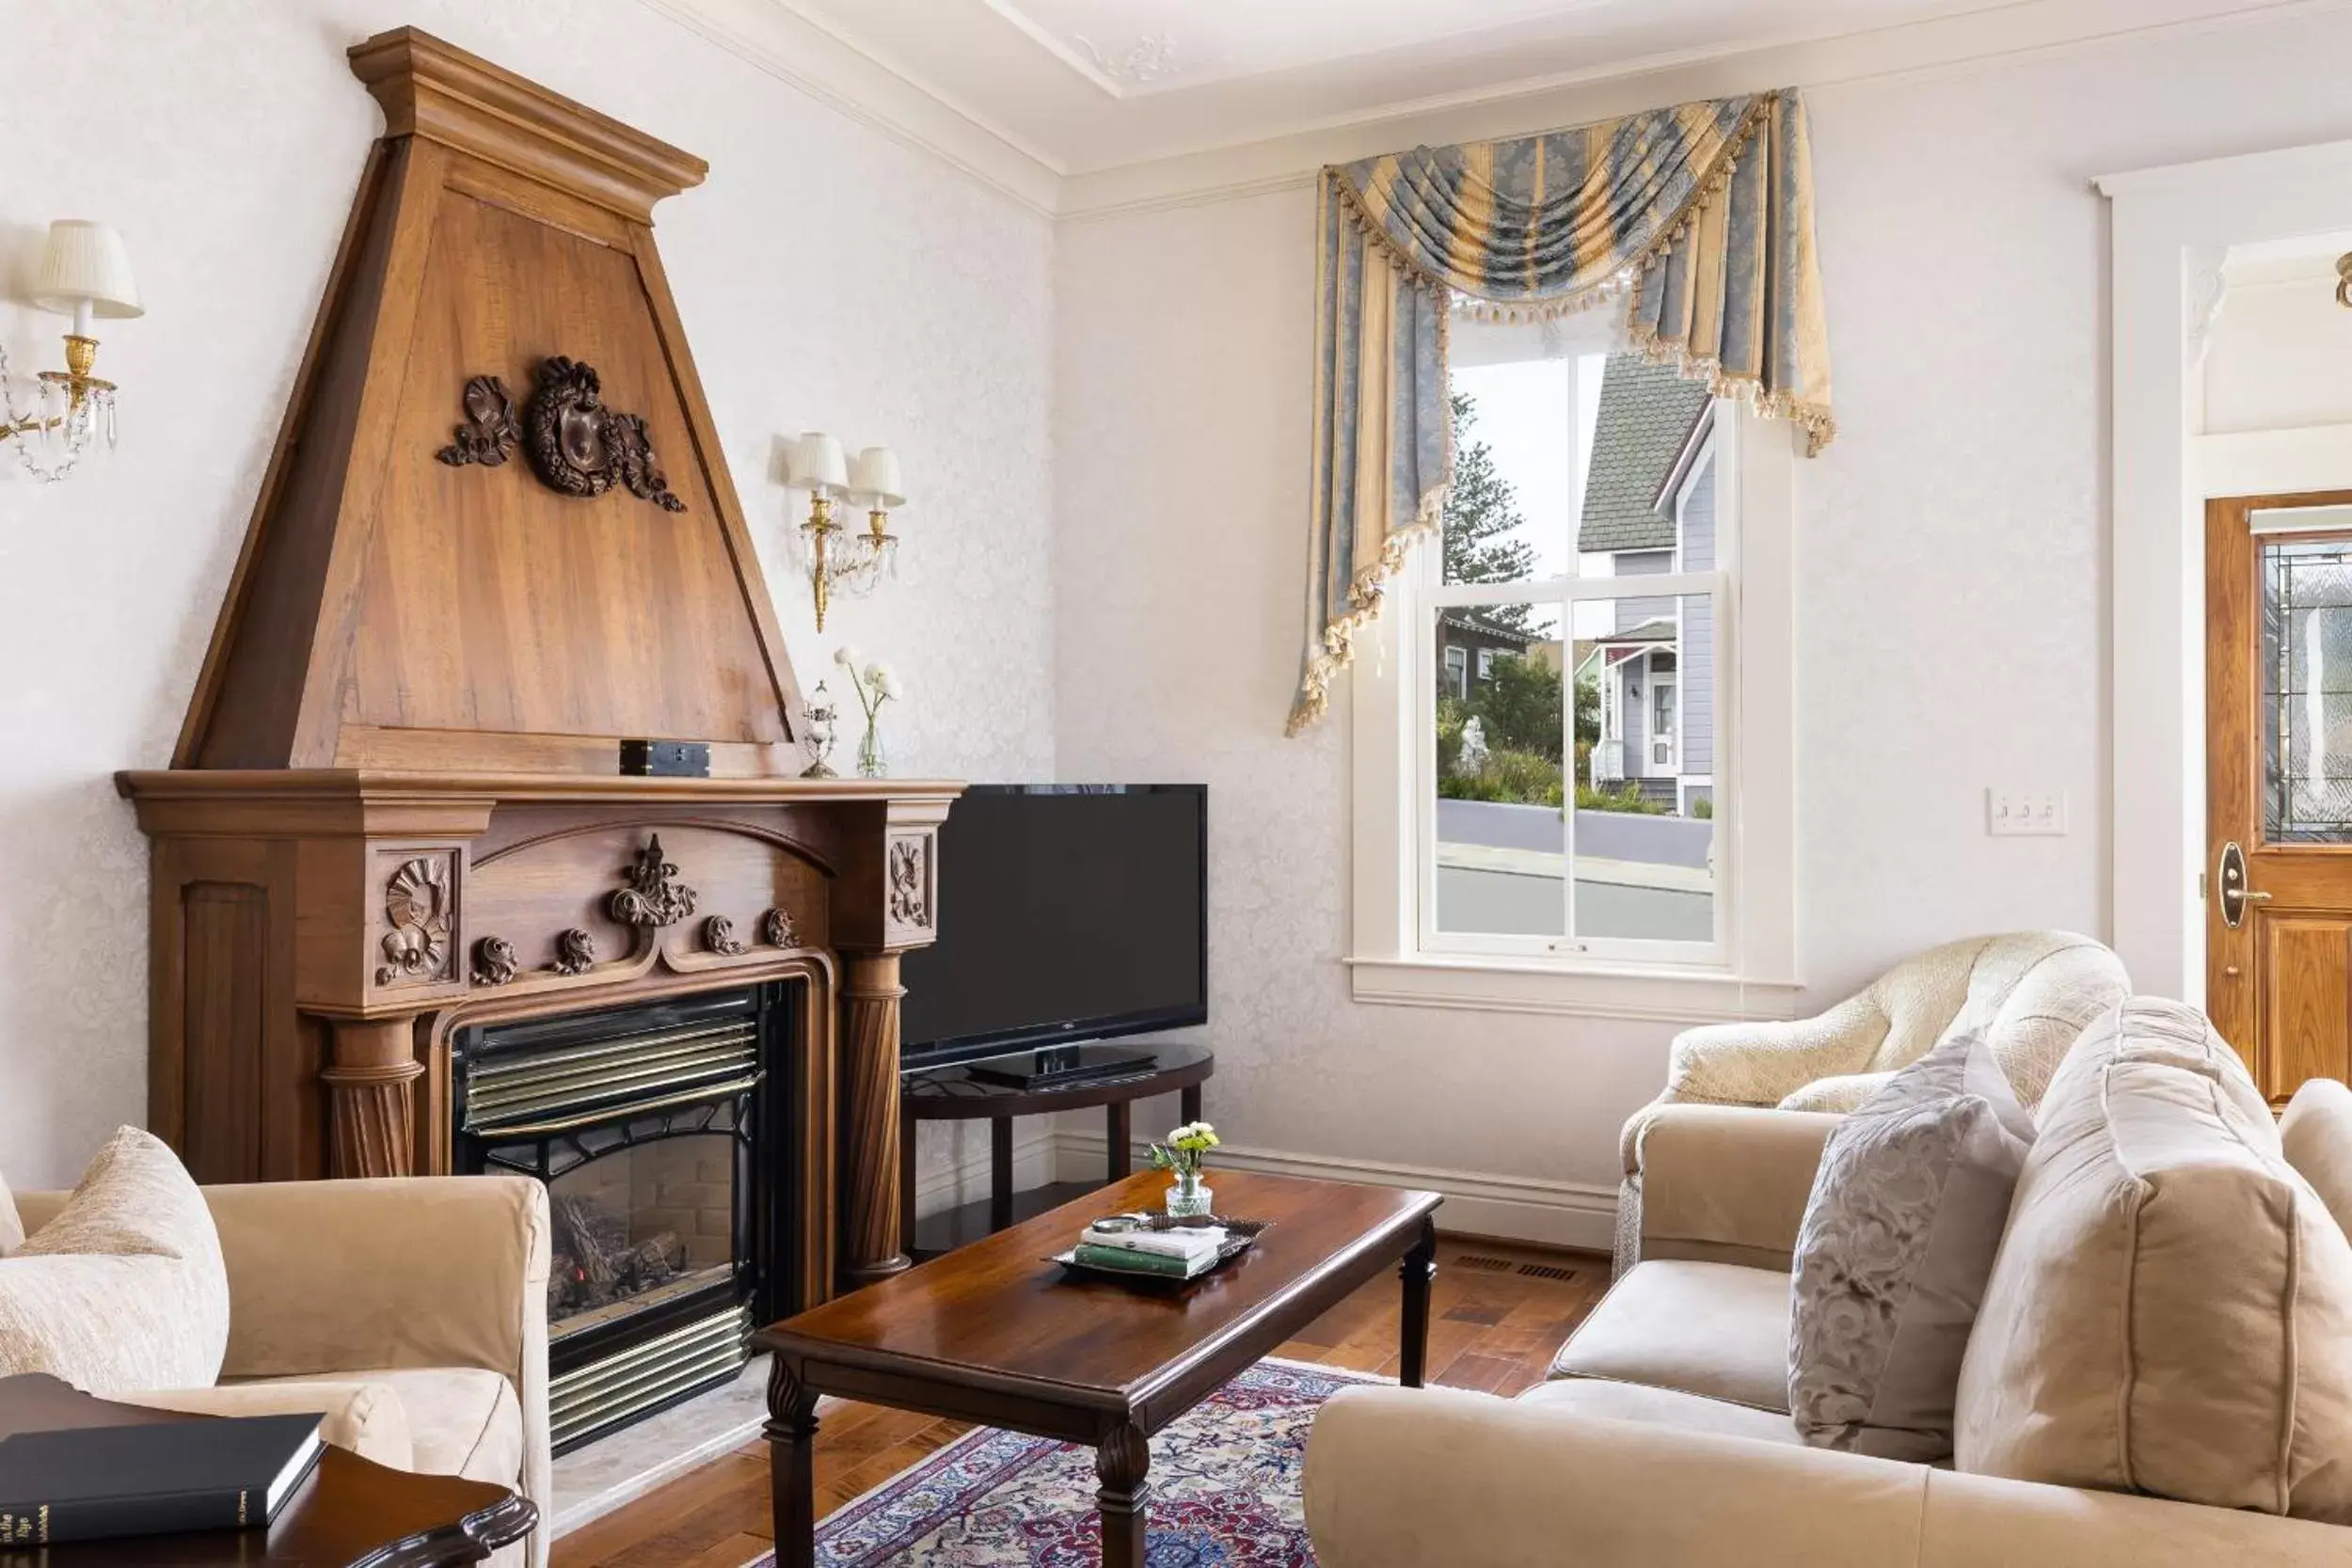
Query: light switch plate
2024,813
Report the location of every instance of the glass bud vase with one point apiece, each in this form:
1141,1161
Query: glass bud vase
1188,1197
871,761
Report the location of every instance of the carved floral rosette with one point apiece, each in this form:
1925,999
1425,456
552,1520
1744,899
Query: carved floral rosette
909,895
654,896
422,912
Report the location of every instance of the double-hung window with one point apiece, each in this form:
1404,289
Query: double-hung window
1572,754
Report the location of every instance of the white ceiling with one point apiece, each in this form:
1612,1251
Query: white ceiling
1086,85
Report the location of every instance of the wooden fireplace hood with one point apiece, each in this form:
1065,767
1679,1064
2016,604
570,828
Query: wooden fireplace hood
497,539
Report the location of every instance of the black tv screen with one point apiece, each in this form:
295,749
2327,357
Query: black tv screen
1066,913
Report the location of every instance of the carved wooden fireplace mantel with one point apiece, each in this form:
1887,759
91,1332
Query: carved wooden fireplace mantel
497,540
319,936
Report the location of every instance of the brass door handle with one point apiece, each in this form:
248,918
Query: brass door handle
2235,894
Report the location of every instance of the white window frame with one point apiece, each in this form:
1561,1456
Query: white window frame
1749,970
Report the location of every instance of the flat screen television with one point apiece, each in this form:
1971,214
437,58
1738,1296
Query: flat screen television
1066,913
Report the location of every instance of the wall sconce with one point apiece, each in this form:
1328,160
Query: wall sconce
85,273
839,560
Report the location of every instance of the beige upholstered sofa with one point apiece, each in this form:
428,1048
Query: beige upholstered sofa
413,1311
1665,1439
2028,995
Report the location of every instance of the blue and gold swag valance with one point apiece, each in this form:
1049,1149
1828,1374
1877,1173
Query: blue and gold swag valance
1698,218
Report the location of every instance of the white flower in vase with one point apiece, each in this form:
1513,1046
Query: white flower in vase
875,684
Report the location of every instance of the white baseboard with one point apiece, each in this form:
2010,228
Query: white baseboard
1510,1208
1036,1157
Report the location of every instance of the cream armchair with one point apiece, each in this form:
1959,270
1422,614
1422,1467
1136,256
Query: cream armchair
413,1311
2028,993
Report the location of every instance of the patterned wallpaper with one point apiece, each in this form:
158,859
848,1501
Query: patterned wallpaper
828,277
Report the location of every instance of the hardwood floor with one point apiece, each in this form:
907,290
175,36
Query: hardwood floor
1497,1311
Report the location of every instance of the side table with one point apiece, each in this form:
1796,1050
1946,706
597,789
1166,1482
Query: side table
952,1094
350,1513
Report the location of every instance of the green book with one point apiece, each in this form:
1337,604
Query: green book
1126,1260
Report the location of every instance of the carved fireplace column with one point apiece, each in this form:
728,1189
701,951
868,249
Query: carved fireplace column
371,1096
896,885
869,1073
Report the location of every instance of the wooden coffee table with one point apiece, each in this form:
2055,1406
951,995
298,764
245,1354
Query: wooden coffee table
350,1513
993,1333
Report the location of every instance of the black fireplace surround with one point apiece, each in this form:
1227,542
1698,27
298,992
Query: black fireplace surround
662,1132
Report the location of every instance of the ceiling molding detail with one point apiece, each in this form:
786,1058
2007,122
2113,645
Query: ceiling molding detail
841,73
2032,29
827,62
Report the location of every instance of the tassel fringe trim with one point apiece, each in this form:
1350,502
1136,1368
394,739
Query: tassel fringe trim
1366,594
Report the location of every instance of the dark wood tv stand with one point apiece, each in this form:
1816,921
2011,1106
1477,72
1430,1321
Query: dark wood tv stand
952,1094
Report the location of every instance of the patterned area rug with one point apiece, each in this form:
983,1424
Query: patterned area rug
1224,1491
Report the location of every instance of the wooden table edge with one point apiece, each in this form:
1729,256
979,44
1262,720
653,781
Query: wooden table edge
1044,1102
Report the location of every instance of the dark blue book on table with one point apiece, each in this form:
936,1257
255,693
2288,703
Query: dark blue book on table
91,1483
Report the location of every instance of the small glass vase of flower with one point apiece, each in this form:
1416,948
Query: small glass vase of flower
1186,1147
875,684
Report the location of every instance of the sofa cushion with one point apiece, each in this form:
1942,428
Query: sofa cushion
12,1230
2315,1134
2169,1307
462,1420
1836,1094
364,1417
124,1289
1907,1213
1666,1407
1714,1329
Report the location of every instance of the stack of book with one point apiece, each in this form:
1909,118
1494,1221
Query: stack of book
1120,1244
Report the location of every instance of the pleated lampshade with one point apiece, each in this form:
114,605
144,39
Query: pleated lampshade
85,264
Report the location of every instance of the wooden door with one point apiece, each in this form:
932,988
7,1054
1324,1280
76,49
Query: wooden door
2278,784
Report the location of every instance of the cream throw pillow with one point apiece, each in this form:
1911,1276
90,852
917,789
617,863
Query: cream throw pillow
124,1292
11,1228
1907,1212
2172,1303
2316,1137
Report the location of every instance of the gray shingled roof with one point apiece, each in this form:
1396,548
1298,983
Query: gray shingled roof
1647,412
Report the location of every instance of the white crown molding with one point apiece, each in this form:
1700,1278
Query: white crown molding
1095,76
2030,29
837,71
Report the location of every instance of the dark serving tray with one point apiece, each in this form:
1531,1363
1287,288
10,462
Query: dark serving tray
1240,1236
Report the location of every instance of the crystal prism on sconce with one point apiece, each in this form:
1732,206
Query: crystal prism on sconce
844,559
85,274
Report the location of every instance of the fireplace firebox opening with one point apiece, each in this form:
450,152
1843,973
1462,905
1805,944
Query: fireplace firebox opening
662,1132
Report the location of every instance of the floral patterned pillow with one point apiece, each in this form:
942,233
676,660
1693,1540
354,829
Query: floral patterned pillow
1898,1239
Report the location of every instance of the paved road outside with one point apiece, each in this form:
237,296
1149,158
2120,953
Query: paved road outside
1637,876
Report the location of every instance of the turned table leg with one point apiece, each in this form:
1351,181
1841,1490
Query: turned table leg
791,1433
1122,1462
1418,1268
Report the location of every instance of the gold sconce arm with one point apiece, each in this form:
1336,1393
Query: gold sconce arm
81,356
820,528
